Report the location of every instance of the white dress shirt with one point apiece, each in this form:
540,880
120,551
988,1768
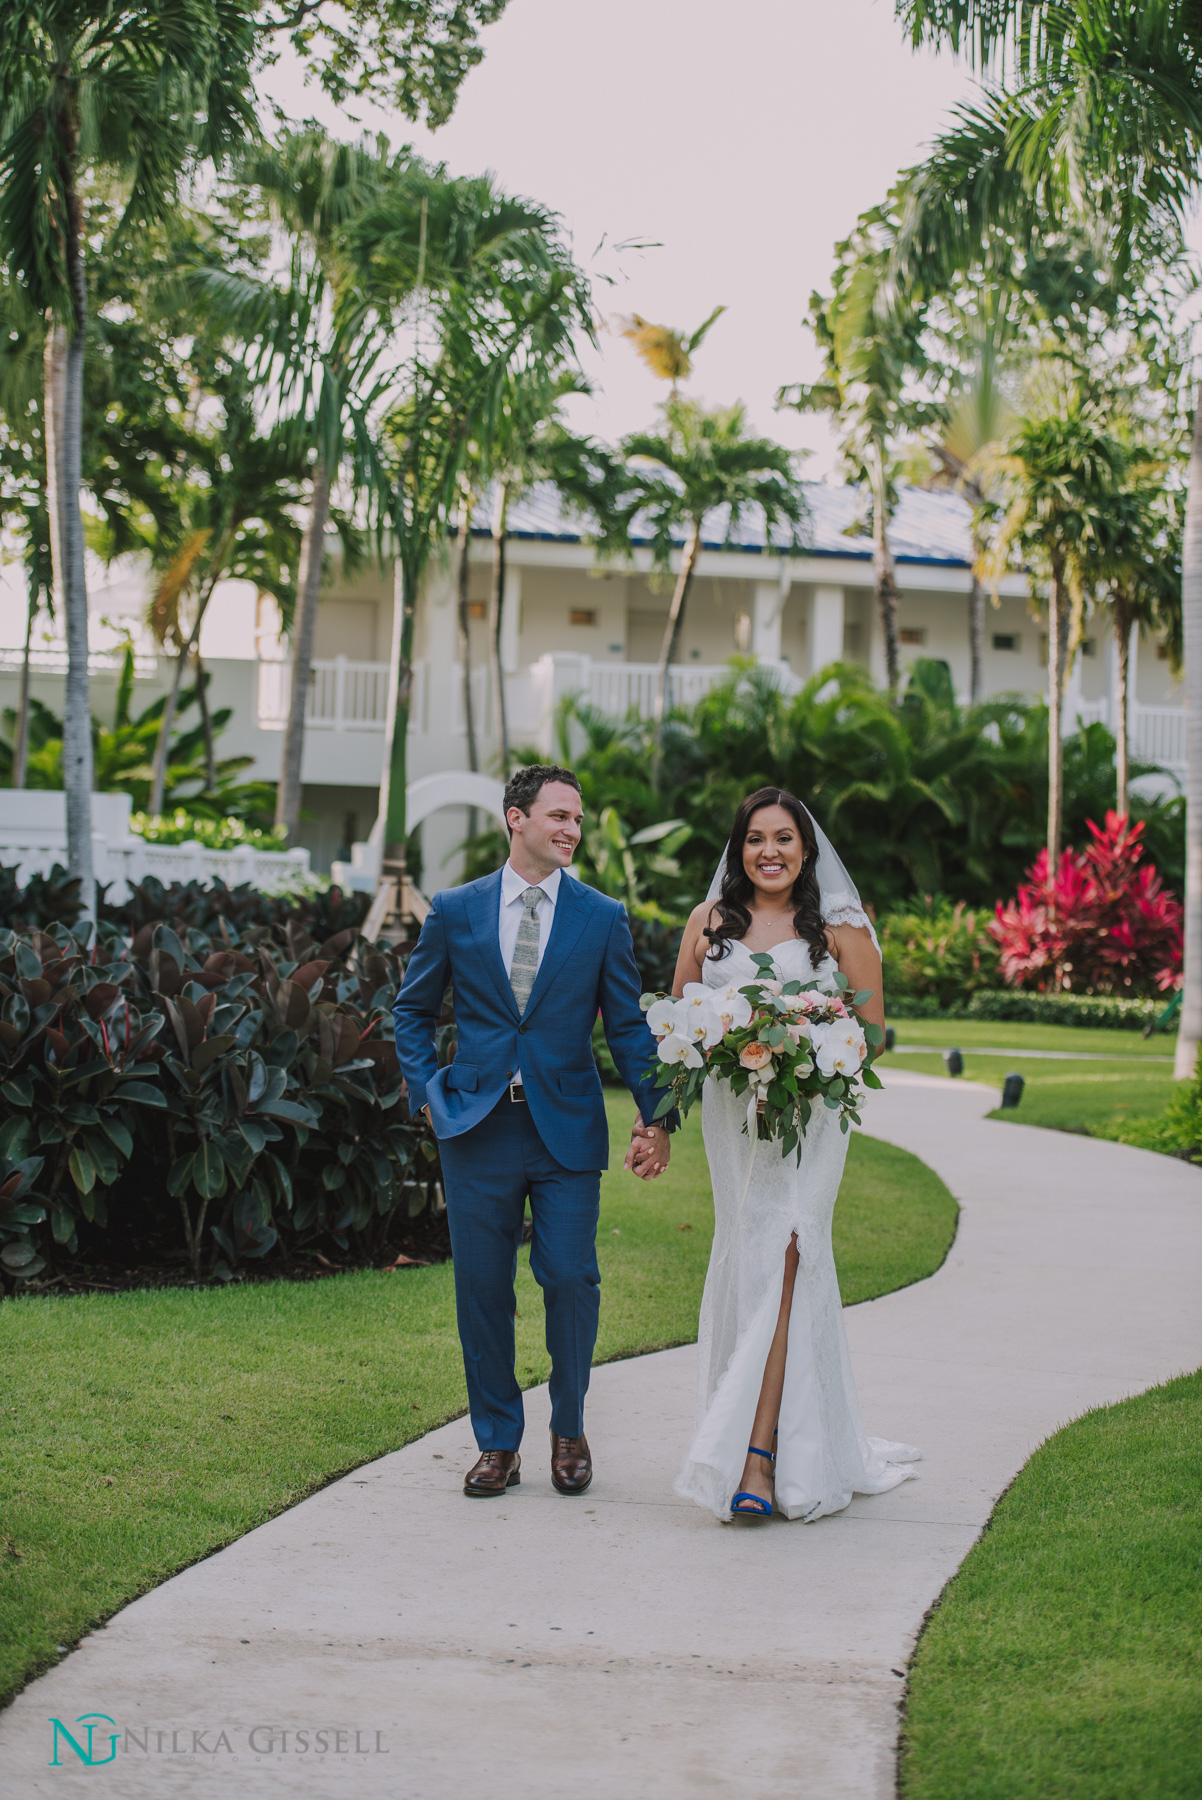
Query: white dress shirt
513,886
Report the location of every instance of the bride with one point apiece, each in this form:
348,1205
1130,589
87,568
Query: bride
778,1420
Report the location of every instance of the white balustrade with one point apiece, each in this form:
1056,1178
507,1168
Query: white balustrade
52,661
343,695
33,837
1159,736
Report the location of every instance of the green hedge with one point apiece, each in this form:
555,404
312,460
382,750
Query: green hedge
207,1099
1011,1004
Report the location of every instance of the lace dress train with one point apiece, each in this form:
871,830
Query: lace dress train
823,1454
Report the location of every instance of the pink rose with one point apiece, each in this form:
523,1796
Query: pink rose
755,1056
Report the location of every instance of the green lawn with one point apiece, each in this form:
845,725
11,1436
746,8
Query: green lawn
143,1430
1067,1095
1064,1661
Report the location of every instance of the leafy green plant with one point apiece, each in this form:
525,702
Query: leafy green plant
236,1094
925,797
184,827
941,949
620,862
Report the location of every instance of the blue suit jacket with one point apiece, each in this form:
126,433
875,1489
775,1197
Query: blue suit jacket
588,965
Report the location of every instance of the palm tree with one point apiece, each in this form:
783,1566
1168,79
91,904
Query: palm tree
1095,116
701,461
667,352
870,345
501,287
1056,476
121,85
977,415
320,338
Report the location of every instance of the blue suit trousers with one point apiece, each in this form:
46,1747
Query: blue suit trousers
489,1171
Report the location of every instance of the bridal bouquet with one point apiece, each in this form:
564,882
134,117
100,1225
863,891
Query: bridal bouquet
786,1045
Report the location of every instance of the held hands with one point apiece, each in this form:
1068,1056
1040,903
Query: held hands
649,1150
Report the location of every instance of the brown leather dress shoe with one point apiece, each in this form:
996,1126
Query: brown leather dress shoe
495,1471
571,1464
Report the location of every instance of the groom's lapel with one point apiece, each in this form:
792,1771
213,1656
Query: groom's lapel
483,914
572,911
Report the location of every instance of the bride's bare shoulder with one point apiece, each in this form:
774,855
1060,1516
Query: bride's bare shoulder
705,913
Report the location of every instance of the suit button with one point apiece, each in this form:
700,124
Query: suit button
521,1031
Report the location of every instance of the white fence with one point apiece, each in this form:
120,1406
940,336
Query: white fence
50,661
1157,732
33,836
343,696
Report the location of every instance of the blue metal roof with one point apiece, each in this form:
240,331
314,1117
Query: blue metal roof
926,527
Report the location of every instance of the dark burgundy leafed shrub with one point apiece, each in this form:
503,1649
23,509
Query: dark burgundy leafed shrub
206,1100
1103,924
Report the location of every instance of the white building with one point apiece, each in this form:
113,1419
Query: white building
568,625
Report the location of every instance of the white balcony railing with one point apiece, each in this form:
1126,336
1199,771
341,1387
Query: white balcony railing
343,696
52,660
1157,732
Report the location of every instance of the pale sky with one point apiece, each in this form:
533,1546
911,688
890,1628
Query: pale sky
744,141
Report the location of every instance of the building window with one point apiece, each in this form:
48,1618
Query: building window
695,655
477,609
616,649
1089,646
582,615
1006,640
912,634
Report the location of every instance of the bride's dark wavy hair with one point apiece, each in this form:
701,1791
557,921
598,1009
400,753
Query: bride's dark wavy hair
734,897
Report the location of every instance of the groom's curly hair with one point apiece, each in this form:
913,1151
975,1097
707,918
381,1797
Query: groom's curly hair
523,786
733,905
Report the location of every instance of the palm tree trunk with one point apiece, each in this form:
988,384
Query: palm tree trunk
883,575
1121,622
976,628
206,723
396,751
67,456
500,520
162,747
1058,636
1190,1034
287,809
671,642
465,646
21,733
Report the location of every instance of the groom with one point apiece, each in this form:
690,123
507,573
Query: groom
533,955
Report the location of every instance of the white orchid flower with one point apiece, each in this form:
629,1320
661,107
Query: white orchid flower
677,1049
697,1017
732,1007
662,1017
838,1048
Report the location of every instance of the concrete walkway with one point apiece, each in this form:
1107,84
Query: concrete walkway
624,1646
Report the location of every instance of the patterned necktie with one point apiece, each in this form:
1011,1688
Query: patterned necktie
525,952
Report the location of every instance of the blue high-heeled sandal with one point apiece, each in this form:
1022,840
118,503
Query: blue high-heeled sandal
759,1509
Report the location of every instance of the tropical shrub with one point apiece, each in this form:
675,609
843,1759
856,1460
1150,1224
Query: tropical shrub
1103,922
234,1095
184,827
1177,1131
942,950
54,899
1106,1012
925,797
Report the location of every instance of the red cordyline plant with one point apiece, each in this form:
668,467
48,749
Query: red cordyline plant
1104,924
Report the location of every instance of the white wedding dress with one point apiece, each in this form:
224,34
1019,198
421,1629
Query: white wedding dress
822,1454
